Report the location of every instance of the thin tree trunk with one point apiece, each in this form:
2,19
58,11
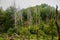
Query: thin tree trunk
37,35
52,36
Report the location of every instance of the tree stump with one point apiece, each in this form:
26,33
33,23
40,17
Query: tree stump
11,38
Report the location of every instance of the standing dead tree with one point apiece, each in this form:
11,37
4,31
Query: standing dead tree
57,26
29,17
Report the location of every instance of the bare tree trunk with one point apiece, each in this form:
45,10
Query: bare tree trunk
57,23
52,36
57,30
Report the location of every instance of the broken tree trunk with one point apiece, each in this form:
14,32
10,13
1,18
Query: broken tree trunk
57,26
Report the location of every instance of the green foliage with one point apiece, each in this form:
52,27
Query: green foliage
9,19
2,20
42,17
24,15
33,29
13,31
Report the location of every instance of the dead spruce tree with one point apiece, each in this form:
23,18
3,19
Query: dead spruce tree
57,26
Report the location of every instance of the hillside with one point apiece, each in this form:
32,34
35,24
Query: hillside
33,23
